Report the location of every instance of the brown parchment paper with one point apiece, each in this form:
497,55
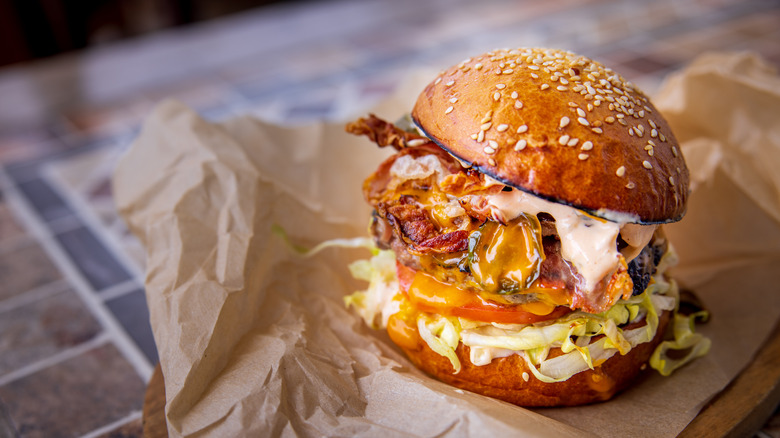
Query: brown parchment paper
255,340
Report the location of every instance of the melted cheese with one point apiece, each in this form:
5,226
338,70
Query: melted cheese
587,243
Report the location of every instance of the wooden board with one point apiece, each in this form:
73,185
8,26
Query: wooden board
154,407
741,409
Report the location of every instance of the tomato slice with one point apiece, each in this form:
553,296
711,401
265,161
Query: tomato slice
431,295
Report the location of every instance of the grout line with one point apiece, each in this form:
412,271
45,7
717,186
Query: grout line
33,295
121,338
118,290
135,415
88,218
99,340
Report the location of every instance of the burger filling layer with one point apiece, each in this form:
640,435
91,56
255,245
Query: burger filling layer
461,257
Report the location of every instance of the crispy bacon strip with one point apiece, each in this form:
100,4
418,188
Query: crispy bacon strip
412,223
384,133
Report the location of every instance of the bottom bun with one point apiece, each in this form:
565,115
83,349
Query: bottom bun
503,377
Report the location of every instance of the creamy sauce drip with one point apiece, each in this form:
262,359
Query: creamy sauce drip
586,242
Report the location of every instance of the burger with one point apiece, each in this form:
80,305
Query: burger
518,230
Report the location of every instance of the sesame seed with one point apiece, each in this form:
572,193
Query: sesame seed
582,156
486,126
661,136
652,124
573,142
545,86
653,133
508,71
597,123
588,145
651,143
583,121
533,67
478,66
561,88
473,136
518,104
454,100
631,131
534,75
619,116
448,110
646,164
492,162
436,82
648,109
620,171
581,112
521,145
671,180
502,127
522,129
450,83
486,119
630,185
481,136
622,122
489,150
563,139
597,130
564,81
564,122
590,106
609,119
572,104
641,113
500,86
493,143
514,95
597,102
674,151
496,96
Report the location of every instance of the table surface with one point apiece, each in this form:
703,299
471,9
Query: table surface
76,349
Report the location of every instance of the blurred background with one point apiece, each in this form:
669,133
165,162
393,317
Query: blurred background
39,28
78,77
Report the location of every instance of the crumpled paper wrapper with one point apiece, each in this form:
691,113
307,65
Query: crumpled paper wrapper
255,340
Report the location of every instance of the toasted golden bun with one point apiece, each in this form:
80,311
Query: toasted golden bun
503,377
562,127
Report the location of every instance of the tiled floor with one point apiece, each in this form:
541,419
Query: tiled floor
75,344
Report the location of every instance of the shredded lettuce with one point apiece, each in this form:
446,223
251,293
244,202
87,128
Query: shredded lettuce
378,301
357,242
686,343
441,335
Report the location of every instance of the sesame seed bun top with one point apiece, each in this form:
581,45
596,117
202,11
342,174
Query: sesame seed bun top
562,127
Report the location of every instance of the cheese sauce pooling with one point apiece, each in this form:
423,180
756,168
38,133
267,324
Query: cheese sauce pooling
587,243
